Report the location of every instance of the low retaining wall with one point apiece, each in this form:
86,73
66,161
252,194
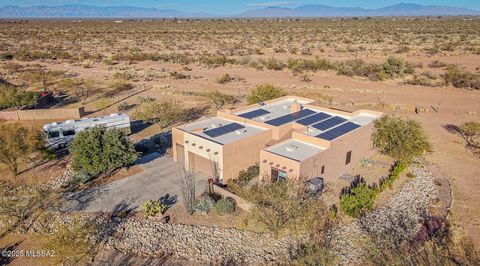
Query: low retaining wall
43,114
241,202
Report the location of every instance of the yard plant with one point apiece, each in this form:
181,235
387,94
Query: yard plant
98,151
400,138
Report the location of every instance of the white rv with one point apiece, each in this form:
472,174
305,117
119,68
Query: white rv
60,134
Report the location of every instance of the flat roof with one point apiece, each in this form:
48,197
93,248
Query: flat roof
360,119
295,149
200,127
274,109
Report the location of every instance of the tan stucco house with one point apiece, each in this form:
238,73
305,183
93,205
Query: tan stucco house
289,137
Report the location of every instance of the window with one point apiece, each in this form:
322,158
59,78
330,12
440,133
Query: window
323,169
349,157
67,133
278,175
53,134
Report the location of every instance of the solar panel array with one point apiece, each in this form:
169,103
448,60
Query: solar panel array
338,131
254,113
329,123
313,119
216,132
290,117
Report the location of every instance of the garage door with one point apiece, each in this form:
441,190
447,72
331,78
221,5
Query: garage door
180,154
204,165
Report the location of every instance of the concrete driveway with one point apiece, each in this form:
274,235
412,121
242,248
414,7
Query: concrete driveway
158,181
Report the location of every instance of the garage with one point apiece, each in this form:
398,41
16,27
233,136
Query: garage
202,165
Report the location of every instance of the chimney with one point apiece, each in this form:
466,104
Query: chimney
295,107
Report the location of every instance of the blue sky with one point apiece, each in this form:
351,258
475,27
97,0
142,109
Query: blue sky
236,6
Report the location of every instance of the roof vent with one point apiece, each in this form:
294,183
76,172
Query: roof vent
240,131
311,129
292,148
69,121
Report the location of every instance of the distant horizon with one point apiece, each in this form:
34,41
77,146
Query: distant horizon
228,8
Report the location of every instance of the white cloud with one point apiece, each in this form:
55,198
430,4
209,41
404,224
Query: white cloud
267,4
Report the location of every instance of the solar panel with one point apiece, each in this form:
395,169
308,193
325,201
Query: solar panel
254,113
313,119
289,118
331,122
338,131
216,132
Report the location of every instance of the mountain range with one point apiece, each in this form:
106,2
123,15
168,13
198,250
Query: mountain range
84,11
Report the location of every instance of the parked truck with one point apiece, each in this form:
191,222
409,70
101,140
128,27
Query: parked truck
61,134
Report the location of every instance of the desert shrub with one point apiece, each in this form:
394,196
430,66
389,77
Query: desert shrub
245,176
437,64
357,198
220,99
178,75
225,206
400,138
103,103
146,99
213,60
108,61
440,247
272,64
124,106
225,78
284,207
164,114
263,93
470,131
154,207
11,96
392,68
461,79
98,151
72,241
6,56
119,85
300,65
204,205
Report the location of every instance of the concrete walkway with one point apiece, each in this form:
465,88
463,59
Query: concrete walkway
158,181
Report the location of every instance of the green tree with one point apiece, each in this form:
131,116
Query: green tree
263,93
99,151
19,144
164,114
400,138
11,96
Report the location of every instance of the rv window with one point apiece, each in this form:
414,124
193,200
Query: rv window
68,133
53,134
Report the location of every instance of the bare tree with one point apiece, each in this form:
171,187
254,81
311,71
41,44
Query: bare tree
187,179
